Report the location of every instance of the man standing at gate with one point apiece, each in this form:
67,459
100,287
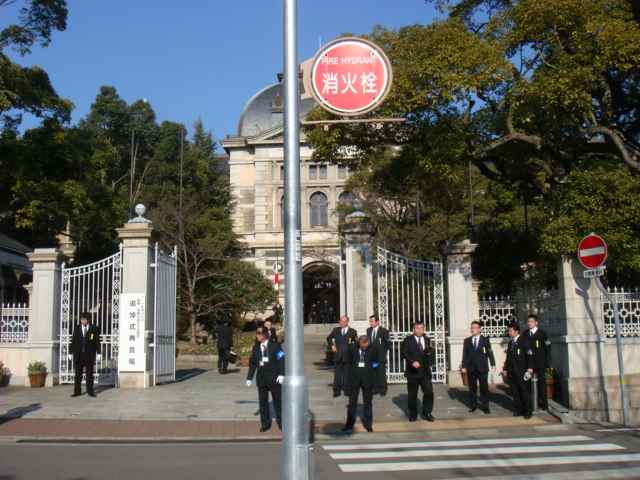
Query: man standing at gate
267,359
416,350
364,362
515,369
224,343
340,340
476,356
539,348
85,345
379,338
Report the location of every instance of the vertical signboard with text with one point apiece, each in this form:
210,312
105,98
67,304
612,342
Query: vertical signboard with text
131,352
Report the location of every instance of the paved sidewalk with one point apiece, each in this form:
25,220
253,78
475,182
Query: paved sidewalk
217,405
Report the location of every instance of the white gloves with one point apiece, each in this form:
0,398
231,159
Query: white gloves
70,356
98,357
527,376
279,380
249,383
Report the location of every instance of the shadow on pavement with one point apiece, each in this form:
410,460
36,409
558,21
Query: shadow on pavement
19,412
187,373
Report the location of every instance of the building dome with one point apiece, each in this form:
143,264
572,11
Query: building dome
264,111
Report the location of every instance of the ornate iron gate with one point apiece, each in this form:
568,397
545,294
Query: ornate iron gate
164,317
411,291
93,288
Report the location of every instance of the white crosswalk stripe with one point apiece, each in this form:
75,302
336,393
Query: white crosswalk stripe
515,454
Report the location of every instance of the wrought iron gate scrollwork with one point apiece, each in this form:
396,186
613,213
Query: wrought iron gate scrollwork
411,291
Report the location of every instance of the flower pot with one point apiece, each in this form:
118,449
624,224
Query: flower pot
551,389
37,380
244,361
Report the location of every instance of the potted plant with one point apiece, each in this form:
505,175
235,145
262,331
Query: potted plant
550,380
37,374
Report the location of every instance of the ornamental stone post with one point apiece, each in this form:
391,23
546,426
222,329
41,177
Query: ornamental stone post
461,302
44,322
135,355
357,234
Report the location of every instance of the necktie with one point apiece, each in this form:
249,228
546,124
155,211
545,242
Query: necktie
373,335
84,331
475,343
264,350
344,332
361,356
420,343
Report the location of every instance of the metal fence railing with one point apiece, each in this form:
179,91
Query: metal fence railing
14,322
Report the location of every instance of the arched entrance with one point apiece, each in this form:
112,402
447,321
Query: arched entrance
321,293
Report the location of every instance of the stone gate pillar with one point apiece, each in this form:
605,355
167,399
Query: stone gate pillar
460,302
357,233
44,322
135,355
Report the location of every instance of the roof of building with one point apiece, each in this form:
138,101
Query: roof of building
264,111
8,243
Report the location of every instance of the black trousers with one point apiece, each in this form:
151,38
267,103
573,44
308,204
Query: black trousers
380,385
427,396
481,378
84,362
263,400
367,411
542,388
521,392
341,378
223,359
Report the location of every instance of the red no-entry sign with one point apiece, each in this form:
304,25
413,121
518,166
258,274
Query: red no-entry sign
592,251
350,76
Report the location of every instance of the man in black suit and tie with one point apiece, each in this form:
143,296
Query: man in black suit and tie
416,350
539,348
364,362
224,343
517,363
379,338
85,348
267,359
341,340
476,356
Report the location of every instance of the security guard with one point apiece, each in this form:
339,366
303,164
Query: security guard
379,338
85,351
341,340
539,347
515,369
364,362
267,358
416,350
476,356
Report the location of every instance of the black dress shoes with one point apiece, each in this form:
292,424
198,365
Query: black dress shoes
265,428
369,429
428,417
486,410
347,428
336,394
92,394
412,419
473,409
76,395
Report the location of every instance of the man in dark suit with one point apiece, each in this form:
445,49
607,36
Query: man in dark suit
476,356
539,348
267,359
341,340
379,338
225,343
416,350
364,362
515,369
85,350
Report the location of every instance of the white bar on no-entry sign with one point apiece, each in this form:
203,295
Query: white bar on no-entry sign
592,252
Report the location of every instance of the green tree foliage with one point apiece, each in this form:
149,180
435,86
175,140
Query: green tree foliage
28,89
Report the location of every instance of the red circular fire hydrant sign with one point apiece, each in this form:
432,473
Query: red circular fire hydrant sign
350,76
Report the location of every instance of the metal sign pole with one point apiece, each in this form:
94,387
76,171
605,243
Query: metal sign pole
616,319
296,447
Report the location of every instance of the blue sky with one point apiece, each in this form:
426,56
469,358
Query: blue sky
196,58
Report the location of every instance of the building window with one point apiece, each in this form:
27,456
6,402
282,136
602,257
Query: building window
346,198
313,172
343,171
319,210
322,172
282,172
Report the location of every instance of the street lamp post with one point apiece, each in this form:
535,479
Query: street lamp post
296,446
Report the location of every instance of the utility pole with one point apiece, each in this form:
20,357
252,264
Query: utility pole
296,448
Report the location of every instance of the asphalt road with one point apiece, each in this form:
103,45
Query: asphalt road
543,454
